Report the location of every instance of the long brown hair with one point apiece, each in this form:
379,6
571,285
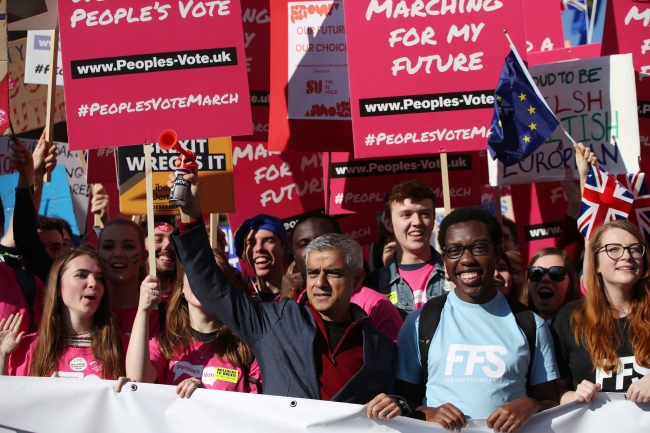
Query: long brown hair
593,321
573,291
105,341
177,336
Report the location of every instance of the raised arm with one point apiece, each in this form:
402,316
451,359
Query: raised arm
248,319
585,158
138,360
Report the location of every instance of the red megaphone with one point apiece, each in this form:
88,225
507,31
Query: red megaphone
168,139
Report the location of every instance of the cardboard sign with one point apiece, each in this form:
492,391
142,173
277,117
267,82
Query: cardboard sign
310,108
158,66
360,185
37,63
32,15
213,157
102,165
595,101
564,54
626,31
257,41
284,185
28,102
56,200
422,75
543,25
79,189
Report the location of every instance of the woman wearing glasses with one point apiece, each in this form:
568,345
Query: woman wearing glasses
604,340
551,282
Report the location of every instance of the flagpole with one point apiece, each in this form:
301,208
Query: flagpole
590,29
532,82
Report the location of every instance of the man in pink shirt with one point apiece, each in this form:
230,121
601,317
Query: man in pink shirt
383,315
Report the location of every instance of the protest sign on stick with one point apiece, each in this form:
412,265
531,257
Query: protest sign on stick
214,227
357,186
310,102
37,60
214,159
595,101
151,242
626,31
433,69
186,72
446,198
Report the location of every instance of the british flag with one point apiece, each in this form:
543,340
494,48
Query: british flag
640,212
604,199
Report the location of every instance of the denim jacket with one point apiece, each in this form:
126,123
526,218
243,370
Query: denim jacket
389,283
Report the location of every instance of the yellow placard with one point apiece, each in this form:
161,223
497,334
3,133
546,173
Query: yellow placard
226,374
392,297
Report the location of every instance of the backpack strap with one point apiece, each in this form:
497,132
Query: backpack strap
28,287
162,315
525,319
429,320
255,382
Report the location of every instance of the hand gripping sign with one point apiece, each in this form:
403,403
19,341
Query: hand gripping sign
159,65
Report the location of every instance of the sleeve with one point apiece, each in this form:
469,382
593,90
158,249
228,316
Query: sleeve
254,379
561,330
249,320
386,318
408,356
28,242
158,360
544,365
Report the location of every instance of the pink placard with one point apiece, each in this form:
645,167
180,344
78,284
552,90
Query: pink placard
422,74
359,185
133,68
543,25
362,227
102,166
626,31
284,185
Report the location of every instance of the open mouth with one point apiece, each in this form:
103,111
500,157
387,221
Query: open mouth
90,297
416,233
165,258
118,265
262,260
469,278
545,293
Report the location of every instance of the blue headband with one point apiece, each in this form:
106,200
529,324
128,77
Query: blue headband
258,222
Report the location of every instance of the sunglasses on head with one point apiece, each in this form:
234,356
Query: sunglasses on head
556,273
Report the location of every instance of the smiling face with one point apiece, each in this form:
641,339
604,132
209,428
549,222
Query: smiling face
330,283
548,295
472,275
412,224
165,254
121,252
503,278
264,252
82,287
624,272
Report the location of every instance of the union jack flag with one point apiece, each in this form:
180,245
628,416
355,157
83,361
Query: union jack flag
604,199
640,212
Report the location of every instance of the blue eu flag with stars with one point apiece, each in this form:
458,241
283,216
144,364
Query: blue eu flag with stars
522,120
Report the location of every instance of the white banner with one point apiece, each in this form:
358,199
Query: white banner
595,100
30,404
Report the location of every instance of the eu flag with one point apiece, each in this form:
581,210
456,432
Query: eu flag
522,120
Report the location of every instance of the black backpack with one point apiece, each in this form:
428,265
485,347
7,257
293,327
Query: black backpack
430,318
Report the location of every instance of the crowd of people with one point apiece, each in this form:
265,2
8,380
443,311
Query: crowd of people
469,331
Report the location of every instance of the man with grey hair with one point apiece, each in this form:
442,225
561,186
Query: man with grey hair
326,349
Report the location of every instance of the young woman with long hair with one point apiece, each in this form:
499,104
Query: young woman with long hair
121,249
76,338
551,282
195,350
604,339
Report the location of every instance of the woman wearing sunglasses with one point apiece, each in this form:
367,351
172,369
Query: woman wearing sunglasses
551,282
604,340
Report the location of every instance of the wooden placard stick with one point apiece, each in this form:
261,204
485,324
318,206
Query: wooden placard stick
445,182
214,227
51,92
151,244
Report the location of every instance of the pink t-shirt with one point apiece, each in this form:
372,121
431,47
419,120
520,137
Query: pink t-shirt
75,362
124,318
417,281
213,372
13,301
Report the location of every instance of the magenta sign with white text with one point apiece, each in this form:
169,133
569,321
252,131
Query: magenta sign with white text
422,73
133,68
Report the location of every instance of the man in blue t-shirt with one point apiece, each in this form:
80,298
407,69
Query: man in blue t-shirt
478,358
